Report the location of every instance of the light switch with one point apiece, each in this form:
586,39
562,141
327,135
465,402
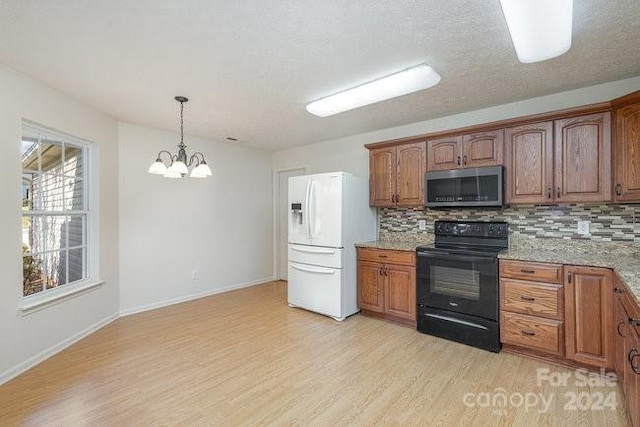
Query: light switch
422,224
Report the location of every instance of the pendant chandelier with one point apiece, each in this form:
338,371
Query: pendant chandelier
179,163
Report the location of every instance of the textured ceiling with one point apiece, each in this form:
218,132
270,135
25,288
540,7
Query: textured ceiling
249,67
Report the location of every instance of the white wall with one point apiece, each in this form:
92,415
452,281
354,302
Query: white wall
220,226
27,339
348,154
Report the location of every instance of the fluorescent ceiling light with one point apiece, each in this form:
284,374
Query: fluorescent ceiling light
540,29
402,83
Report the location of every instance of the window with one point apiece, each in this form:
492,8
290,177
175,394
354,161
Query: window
55,210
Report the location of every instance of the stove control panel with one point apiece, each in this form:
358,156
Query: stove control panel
472,229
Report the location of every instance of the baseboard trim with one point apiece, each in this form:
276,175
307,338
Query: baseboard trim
190,297
44,355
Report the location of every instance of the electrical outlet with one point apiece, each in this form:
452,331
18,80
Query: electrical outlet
194,275
583,228
422,224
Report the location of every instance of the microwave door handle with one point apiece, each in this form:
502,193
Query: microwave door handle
448,255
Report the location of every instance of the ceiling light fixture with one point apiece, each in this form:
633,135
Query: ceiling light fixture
179,166
540,29
402,83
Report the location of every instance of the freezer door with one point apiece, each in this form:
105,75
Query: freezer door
316,255
315,288
325,209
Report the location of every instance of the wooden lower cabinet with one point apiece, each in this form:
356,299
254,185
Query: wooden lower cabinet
589,316
565,312
370,287
627,349
387,284
532,306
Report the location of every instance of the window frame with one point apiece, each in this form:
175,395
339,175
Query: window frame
88,214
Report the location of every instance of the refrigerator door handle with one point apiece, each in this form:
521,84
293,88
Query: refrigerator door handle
313,251
312,217
307,205
309,269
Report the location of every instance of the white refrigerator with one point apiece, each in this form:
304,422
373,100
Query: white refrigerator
328,214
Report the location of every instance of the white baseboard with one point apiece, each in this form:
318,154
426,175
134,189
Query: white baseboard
185,298
44,355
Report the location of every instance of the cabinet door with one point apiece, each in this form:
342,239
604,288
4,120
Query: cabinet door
529,163
412,164
583,159
482,149
589,316
627,154
444,154
621,332
400,292
370,286
382,176
632,378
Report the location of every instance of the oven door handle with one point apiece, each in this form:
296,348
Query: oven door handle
449,255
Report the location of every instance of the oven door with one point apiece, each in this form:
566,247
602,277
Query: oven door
458,282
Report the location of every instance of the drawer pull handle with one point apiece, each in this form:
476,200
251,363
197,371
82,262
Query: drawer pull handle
527,333
617,290
524,270
635,367
618,190
620,323
530,299
634,322
382,256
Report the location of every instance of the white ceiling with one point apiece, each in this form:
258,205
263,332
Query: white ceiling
249,67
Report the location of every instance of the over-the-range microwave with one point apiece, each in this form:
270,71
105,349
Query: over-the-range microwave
464,187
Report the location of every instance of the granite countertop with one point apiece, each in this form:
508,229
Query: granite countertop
623,257
399,243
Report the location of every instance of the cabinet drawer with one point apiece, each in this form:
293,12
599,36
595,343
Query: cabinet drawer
387,256
538,299
533,333
535,271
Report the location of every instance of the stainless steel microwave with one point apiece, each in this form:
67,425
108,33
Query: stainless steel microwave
464,187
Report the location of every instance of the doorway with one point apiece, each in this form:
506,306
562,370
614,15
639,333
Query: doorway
282,219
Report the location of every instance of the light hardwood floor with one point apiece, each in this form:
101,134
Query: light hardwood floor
246,358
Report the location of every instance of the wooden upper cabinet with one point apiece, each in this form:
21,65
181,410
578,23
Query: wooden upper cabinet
583,159
627,153
589,316
465,151
397,175
382,179
444,154
412,160
482,149
529,163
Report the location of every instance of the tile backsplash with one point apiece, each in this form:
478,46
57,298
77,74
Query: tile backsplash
609,222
